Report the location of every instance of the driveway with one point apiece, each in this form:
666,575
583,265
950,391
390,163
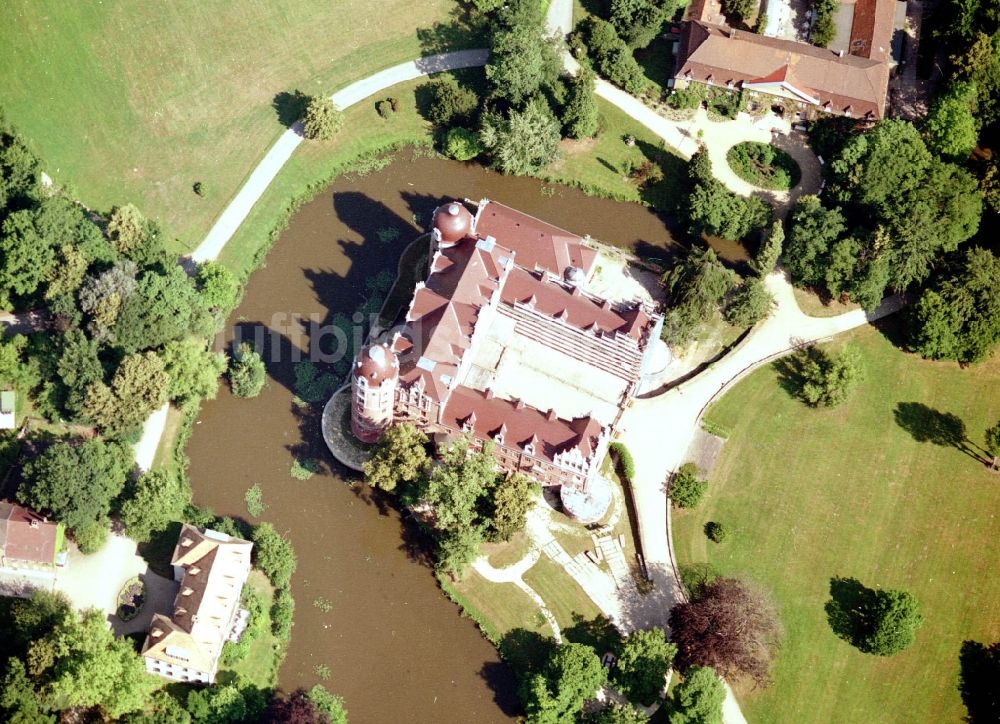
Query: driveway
94,581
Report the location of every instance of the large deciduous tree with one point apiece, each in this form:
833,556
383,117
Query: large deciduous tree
951,126
695,286
572,675
139,386
156,499
643,659
76,483
522,141
193,369
729,625
698,698
521,60
399,458
958,317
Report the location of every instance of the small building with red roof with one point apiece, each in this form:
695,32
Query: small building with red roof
28,540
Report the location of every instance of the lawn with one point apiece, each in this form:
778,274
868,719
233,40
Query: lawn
137,102
496,607
814,494
260,665
561,594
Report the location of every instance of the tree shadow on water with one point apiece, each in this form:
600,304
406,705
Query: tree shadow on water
979,681
502,681
926,424
847,609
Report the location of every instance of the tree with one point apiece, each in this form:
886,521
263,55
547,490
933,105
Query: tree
455,487
80,664
512,498
713,209
959,316
398,458
102,297
139,386
330,704
247,373
67,273
450,104
134,236
643,660
157,498
76,483
695,286
698,698
769,252
895,617
728,625
638,22
522,142
164,307
824,27
294,708
217,287
462,144
457,549
273,555
686,490
18,168
521,60
193,369
572,675
827,379
951,125
580,117
741,11
992,437
19,702
617,714
613,58
813,230
323,120
749,304
25,256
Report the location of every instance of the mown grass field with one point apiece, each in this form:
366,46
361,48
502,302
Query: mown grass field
813,494
130,101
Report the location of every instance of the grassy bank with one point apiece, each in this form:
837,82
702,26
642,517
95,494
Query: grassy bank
130,102
812,494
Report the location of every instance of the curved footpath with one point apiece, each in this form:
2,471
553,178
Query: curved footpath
269,166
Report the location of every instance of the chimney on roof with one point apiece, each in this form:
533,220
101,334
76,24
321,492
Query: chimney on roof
34,523
550,415
518,404
488,393
840,53
156,633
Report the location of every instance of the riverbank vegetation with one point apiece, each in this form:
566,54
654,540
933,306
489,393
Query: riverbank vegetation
802,521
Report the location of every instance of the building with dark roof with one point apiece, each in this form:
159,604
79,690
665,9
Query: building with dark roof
491,336
851,81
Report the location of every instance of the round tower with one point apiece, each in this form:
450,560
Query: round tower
373,388
452,223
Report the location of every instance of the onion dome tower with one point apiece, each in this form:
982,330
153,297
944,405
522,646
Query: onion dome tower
452,223
373,388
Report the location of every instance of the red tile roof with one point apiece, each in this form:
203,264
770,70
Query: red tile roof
848,84
26,535
872,28
538,245
521,424
573,307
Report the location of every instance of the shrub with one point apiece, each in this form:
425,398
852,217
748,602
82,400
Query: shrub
623,460
322,120
199,188
462,144
383,108
686,490
273,555
895,617
716,532
686,98
246,373
91,537
393,103
613,58
233,653
823,379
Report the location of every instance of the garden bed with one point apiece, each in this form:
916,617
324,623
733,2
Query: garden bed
131,599
764,166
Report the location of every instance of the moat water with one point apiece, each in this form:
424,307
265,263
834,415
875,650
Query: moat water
369,610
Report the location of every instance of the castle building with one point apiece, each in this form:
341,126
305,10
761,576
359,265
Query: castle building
502,342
